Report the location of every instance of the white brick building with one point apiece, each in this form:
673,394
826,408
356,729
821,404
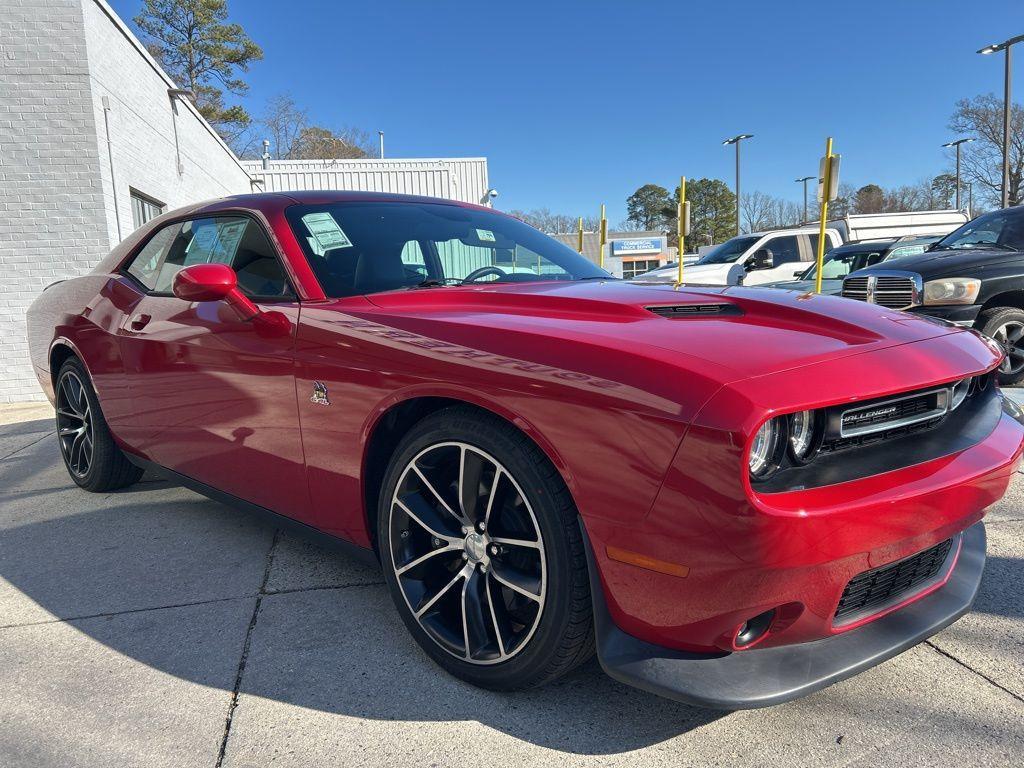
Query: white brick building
68,70
93,142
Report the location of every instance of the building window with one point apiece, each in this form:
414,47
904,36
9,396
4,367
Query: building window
631,269
144,208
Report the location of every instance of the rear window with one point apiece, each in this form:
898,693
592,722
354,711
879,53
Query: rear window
364,248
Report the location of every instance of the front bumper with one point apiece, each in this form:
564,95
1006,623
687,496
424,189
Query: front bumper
962,315
763,677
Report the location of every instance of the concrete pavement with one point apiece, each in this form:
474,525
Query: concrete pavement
152,627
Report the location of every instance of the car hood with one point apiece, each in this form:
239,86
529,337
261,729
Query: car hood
948,262
752,332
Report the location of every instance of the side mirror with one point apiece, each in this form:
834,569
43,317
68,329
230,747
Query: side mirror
213,282
763,258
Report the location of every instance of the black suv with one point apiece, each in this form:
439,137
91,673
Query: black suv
973,277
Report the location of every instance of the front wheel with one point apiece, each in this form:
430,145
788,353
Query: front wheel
1006,325
483,554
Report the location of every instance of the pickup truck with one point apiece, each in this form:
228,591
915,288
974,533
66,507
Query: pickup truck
785,254
973,277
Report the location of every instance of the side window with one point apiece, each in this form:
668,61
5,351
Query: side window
234,240
784,249
146,265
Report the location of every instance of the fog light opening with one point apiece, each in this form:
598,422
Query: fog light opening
752,630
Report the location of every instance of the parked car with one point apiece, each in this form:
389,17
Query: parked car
840,261
784,254
973,277
737,497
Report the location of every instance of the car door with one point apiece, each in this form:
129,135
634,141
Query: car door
788,260
215,394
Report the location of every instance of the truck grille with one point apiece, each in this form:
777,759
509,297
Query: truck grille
894,291
876,589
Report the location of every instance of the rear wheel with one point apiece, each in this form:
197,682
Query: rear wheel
90,454
1006,325
483,554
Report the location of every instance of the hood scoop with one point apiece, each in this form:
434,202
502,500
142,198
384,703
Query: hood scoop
683,311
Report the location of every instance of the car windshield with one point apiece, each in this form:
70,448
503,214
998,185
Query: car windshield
839,263
360,248
1000,229
729,251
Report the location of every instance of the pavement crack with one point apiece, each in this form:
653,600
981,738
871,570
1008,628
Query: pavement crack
321,588
110,614
25,447
240,673
969,668
1010,520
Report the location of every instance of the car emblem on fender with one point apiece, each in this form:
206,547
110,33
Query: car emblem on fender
319,395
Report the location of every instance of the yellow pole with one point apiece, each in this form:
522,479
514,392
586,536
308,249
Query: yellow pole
603,237
579,246
680,234
826,183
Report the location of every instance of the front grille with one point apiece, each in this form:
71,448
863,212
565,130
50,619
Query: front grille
856,288
875,589
892,291
895,412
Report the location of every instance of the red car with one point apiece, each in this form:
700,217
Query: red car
737,496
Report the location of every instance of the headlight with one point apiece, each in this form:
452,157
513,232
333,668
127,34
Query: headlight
802,433
764,450
952,290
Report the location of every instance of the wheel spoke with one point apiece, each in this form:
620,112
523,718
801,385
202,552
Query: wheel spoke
494,616
429,604
63,431
444,504
1013,335
490,496
470,473
474,623
418,519
517,581
516,542
451,547
69,414
76,451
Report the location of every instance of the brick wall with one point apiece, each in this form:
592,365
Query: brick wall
52,223
58,59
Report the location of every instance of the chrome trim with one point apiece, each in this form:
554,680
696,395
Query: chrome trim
871,285
943,400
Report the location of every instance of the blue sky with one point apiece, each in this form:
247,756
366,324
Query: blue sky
579,103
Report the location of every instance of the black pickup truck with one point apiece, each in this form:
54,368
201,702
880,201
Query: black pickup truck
973,277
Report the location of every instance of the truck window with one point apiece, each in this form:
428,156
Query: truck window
785,249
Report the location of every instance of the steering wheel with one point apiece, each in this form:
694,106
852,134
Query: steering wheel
476,274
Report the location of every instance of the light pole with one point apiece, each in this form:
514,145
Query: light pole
380,134
1005,46
957,144
805,179
736,140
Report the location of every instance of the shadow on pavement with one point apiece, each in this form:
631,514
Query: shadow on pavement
334,647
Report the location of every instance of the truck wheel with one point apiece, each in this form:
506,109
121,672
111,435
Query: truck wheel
1006,325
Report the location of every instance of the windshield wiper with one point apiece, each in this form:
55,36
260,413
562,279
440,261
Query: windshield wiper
596,277
1004,246
433,282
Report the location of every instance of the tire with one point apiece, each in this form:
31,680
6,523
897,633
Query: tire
530,588
1006,325
90,454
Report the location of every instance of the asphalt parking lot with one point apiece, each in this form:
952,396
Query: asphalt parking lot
153,627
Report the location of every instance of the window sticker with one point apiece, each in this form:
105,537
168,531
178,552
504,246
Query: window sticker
326,231
485,235
214,242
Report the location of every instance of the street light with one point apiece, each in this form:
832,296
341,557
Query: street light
805,179
736,140
1005,46
957,144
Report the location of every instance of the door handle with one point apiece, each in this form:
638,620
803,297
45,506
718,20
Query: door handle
140,321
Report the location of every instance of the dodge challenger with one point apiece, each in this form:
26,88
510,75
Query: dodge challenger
733,496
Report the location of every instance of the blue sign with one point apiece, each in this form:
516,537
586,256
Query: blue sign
636,245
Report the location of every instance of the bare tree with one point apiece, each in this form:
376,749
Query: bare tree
284,122
317,143
555,223
982,160
757,211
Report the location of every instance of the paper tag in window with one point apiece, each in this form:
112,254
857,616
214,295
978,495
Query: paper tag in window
485,235
325,229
